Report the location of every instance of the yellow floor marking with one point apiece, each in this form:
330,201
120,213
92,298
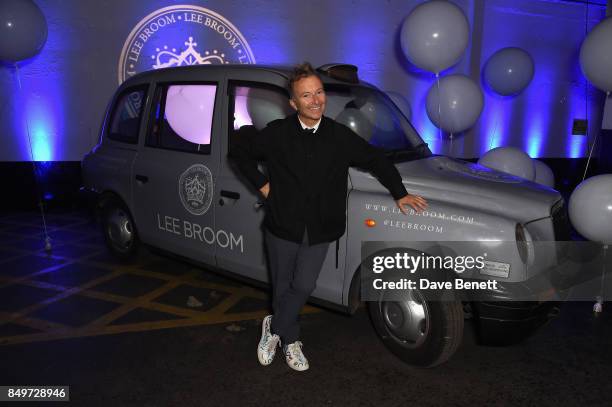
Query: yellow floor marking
100,326
13,280
31,322
140,327
63,294
141,301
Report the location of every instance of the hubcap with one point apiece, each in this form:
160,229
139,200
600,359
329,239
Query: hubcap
119,229
408,320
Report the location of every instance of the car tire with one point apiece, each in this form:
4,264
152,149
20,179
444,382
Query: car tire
421,332
119,229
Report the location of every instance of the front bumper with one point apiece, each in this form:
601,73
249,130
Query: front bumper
506,323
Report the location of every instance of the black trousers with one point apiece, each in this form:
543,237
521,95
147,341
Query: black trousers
294,269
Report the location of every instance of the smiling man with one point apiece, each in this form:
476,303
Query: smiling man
307,157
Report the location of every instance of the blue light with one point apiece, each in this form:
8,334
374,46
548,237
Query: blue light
533,142
577,146
536,121
41,150
42,115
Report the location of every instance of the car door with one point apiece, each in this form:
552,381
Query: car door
176,170
110,167
254,99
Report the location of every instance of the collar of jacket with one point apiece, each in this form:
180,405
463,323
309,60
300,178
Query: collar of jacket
323,126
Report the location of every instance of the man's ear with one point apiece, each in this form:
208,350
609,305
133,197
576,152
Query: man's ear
293,105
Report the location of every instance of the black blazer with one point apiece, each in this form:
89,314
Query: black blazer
308,174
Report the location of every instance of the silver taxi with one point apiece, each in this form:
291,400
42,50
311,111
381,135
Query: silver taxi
161,177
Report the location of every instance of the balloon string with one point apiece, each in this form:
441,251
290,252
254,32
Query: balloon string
590,153
439,108
586,99
493,137
40,204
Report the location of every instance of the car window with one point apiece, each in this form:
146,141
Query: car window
183,117
257,104
127,115
374,117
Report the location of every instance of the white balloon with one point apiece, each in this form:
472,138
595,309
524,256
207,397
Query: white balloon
510,160
596,55
543,174
401,102
265,105
460,105
509,71
357,121
189,110
590,208
378,114
435,35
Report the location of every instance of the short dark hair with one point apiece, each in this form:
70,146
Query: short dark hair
300,71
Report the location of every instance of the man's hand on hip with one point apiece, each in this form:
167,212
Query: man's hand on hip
265,190
416,202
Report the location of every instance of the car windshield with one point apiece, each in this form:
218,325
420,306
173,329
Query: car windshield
375,118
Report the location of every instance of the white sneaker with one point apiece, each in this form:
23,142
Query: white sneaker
295,357
268,343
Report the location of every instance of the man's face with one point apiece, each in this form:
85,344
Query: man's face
308,99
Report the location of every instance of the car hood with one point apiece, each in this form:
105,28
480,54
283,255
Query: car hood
459,182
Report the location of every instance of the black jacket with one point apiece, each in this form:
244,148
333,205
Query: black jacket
308,174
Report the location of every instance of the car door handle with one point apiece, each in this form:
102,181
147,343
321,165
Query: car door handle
230,194
142,178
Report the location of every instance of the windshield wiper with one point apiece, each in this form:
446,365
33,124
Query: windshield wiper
408,154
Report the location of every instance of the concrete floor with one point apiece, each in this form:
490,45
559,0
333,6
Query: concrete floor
124,335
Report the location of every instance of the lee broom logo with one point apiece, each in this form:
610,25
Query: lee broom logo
182,35
196,189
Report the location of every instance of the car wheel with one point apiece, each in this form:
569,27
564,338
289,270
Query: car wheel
422,332
119,229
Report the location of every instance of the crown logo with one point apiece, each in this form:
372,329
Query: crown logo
165,58
195,190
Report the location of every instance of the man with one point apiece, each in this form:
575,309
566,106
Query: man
307,157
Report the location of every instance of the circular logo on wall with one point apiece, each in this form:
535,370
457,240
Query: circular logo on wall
196,189
182,35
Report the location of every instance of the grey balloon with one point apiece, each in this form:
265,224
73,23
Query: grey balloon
401,102
510,160
509,71
543,174
356,121
264,106
596,55
435,35
23,30
461,103
590,208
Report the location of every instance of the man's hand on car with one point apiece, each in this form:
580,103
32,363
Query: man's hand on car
265,190
418,203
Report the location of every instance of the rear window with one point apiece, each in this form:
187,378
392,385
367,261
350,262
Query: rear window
127,116
183,117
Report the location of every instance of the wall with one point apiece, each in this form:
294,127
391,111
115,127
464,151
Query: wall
66,88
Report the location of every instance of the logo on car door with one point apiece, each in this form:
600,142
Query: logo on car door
196,189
